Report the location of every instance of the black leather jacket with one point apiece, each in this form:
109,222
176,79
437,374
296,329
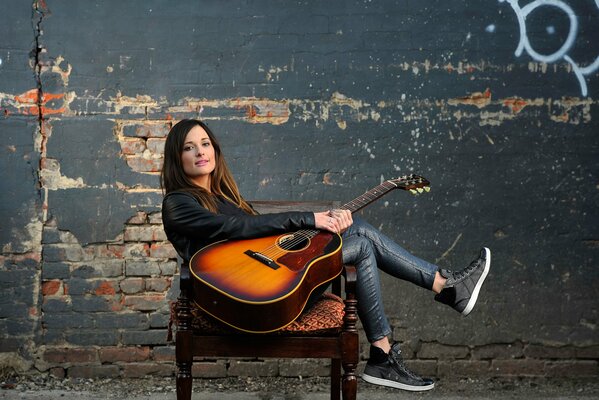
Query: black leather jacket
189,226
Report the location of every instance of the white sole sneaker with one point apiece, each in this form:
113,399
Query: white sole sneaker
479,284
396,385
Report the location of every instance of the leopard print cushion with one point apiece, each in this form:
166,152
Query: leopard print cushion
324,317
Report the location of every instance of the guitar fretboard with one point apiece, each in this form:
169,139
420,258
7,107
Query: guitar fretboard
362,201
409,182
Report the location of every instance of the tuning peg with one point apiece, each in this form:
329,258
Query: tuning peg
420,190
413,191
427,189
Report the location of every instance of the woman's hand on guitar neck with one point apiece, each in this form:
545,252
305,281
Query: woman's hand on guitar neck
336,221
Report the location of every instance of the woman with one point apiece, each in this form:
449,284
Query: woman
202,205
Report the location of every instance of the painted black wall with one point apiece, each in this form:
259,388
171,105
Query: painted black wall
322,100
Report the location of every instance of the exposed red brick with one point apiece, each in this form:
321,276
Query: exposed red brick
139,218
155,218
115,250
132,145
156,146
158,284
70,355
105,288
145,303
144,233
153,130
50,288
136,250
124,354
132,285
162,250
216,369
141,164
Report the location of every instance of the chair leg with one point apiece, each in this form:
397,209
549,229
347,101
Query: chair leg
184,381
335,379
350,343
350,385
183,352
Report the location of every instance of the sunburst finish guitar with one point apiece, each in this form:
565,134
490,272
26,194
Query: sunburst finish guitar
262,285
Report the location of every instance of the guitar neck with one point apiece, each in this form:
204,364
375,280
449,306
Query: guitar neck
373,194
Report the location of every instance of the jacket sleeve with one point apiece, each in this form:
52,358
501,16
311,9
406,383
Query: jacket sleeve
182,213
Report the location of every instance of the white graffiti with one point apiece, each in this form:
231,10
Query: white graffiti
562,52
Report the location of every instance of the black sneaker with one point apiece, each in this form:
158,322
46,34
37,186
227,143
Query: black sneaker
389,370
462,288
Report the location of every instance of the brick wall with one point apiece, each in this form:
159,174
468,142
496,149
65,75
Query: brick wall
316,101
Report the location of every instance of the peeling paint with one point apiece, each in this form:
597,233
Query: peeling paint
52,179
29,103
140,104
55,68
477,99
516,104
26,239
254,110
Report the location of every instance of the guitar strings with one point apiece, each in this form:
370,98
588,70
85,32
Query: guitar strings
280,248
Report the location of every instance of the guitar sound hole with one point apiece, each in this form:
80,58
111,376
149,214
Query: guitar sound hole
293,242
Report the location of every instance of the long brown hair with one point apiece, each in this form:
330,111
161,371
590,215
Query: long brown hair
173,177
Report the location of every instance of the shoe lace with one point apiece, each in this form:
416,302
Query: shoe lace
466,271
398,361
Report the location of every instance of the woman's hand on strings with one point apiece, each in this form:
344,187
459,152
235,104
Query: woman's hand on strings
336,221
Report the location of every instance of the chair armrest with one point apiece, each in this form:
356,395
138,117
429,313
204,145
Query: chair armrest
183,308
185,280
350,317
350,274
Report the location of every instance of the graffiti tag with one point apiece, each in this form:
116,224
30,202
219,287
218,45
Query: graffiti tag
562,52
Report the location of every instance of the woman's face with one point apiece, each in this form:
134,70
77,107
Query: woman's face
198,157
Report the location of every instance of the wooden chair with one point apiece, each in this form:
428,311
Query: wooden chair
340,343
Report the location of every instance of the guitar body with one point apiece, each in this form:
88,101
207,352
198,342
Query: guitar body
254,295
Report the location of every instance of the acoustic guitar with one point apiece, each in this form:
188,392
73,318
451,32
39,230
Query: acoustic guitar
262,285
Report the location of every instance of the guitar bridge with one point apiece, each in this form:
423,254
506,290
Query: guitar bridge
262,258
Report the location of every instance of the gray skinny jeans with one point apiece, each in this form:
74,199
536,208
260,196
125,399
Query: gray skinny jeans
370,250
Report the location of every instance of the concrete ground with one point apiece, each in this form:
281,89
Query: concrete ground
291,389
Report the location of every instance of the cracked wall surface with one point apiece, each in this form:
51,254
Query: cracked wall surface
311,101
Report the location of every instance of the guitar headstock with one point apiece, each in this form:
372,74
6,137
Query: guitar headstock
415,184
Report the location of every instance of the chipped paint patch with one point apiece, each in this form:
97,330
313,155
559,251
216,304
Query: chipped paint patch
478,99
30,103
251,109
26,239
140,104
516,104
55,67
52,179
571,110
